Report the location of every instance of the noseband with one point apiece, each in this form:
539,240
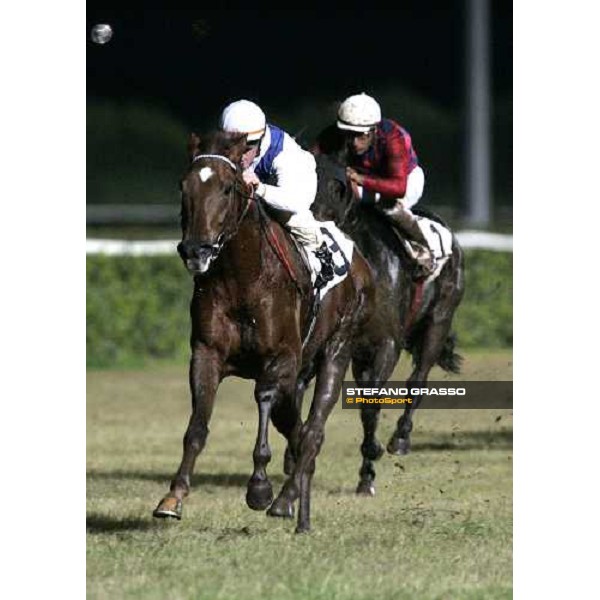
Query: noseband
217,157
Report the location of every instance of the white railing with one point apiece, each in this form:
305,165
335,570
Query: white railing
468,239
134,248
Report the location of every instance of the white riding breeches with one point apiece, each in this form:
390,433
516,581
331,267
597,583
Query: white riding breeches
414,187
306,228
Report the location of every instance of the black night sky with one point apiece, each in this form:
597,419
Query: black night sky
194,61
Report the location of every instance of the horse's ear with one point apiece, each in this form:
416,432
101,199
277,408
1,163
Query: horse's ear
237,148
193,146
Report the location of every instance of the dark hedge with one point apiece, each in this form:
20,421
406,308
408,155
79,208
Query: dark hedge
138,307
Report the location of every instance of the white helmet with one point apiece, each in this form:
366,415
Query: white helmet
246,117
359,113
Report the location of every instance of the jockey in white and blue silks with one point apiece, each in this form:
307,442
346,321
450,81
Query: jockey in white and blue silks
282,172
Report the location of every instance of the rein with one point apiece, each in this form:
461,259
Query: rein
276,246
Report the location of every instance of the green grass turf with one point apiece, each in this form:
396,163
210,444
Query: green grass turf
440,525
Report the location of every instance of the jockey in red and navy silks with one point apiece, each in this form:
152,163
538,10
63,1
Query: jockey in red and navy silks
388,163
383,165
381,160
282,173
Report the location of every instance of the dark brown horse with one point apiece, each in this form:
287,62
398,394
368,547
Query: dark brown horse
249,319
407,315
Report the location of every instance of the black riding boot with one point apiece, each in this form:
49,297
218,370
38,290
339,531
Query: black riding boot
326,273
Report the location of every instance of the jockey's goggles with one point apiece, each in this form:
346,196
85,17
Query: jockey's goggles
251,144
354,134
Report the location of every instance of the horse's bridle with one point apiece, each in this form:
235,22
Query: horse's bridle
223,237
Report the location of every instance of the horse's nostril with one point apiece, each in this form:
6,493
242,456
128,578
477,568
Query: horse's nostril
192,250
187,250
203,252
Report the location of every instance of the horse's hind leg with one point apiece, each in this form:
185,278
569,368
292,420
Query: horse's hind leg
289,460
372,367
327,390
205,374
433,339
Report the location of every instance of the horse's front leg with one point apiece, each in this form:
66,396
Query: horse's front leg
375,362
205,375
273,394
259,493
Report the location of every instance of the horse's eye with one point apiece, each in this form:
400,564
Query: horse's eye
228,187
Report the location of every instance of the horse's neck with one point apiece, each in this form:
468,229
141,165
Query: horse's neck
242,253
250,254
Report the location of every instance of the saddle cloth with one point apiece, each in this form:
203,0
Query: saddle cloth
341,248
439,239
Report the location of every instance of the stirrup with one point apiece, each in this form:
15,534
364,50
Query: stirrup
424,267
326,273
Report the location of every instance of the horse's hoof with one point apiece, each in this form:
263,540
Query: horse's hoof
281,508
168,507
365,488
302,528
398,446
259,494
288,462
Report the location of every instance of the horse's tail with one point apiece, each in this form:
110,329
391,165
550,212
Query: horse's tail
449,360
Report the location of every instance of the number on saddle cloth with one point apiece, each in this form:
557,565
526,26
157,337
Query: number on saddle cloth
342,269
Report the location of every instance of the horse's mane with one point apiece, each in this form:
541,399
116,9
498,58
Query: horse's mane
331,142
